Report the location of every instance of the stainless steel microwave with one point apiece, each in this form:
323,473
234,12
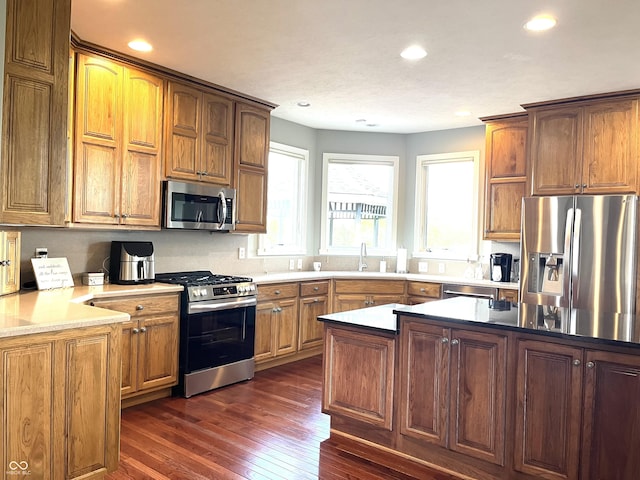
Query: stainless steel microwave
195,206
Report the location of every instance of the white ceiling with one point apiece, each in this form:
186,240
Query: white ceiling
342,56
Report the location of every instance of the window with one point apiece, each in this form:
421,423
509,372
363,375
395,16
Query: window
359,203
286,203
447,207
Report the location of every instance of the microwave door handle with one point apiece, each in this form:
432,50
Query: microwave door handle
222,210
199,216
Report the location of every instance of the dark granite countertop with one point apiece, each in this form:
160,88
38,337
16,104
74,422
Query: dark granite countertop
615,329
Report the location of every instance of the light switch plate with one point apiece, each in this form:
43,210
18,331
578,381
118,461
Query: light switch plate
299,264
291,264
441,268
423,267
241,253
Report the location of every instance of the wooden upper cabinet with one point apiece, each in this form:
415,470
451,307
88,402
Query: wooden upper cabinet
34,135
118,144
587,147
252,126
505,176
199,130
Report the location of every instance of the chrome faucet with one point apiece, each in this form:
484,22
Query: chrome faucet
363,254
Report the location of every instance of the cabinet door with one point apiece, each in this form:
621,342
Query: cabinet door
610,157
158,352
27,408
478,384
346,302
310,328
505,177
265,332
385,299
10,255
33,171
143,95
424,386
252,136
129,357
556,151
286,326
358,373
217,141
251,201
182,131
611,418
548,408
98,152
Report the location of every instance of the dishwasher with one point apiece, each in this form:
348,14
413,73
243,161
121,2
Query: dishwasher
450,290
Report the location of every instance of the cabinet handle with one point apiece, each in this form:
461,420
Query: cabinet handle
205,173
315,300
444,340
124,215
7,263
277,292
139,307
93,304
117,215
198,172
143,329
576,363
590,364
584,185
135,330
3,263
315,289
577,185
455,341
422,290
274,310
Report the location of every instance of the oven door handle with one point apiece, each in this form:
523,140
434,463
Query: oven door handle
200,307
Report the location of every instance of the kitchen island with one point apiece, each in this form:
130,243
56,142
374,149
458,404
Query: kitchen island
486,390
61,370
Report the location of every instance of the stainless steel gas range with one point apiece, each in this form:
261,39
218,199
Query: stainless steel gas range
217,330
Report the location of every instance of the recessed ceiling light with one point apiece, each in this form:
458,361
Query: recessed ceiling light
540,23
372,124
303,104
361,120
414,52
140,45
463,113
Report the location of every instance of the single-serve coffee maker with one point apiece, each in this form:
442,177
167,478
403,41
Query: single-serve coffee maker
132,262
500,267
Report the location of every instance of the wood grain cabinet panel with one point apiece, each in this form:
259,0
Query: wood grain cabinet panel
586,147
276,321
61,408
548,407
118,144
34,132
611,420
371,359
421,292
10,261
314,302
199,129
354,294
505,176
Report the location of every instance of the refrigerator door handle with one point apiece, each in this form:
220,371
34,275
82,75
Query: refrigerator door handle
566,274
575,251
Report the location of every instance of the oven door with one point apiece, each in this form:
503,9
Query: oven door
220,336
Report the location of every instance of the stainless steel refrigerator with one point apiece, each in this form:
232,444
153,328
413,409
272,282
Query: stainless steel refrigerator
579,253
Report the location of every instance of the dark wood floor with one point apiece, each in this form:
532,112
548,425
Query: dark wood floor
268,428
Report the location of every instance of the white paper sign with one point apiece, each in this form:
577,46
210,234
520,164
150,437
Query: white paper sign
52,273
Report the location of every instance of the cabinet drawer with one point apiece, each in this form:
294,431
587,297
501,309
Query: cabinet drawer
423,289
314,288
277,290
390,287
139,306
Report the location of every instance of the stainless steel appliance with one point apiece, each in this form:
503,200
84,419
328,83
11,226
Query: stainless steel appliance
131,263
217,330
500,267
450,290
579,252
194,206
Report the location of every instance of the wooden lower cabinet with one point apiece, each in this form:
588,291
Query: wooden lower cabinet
149,342
355,294
276,321
359,373
548,409
60,414
451,376
314,301
421,292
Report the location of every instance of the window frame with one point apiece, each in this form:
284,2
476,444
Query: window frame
346,158
301,221
419,226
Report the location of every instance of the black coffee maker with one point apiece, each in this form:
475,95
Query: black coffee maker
500,267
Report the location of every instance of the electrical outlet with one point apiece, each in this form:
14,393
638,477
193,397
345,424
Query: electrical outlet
299,264
241,253
423,267
291,264
441,268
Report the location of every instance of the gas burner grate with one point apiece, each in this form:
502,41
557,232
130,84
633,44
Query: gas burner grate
199,278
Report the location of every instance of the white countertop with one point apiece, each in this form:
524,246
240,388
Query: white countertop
297,276
61,309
